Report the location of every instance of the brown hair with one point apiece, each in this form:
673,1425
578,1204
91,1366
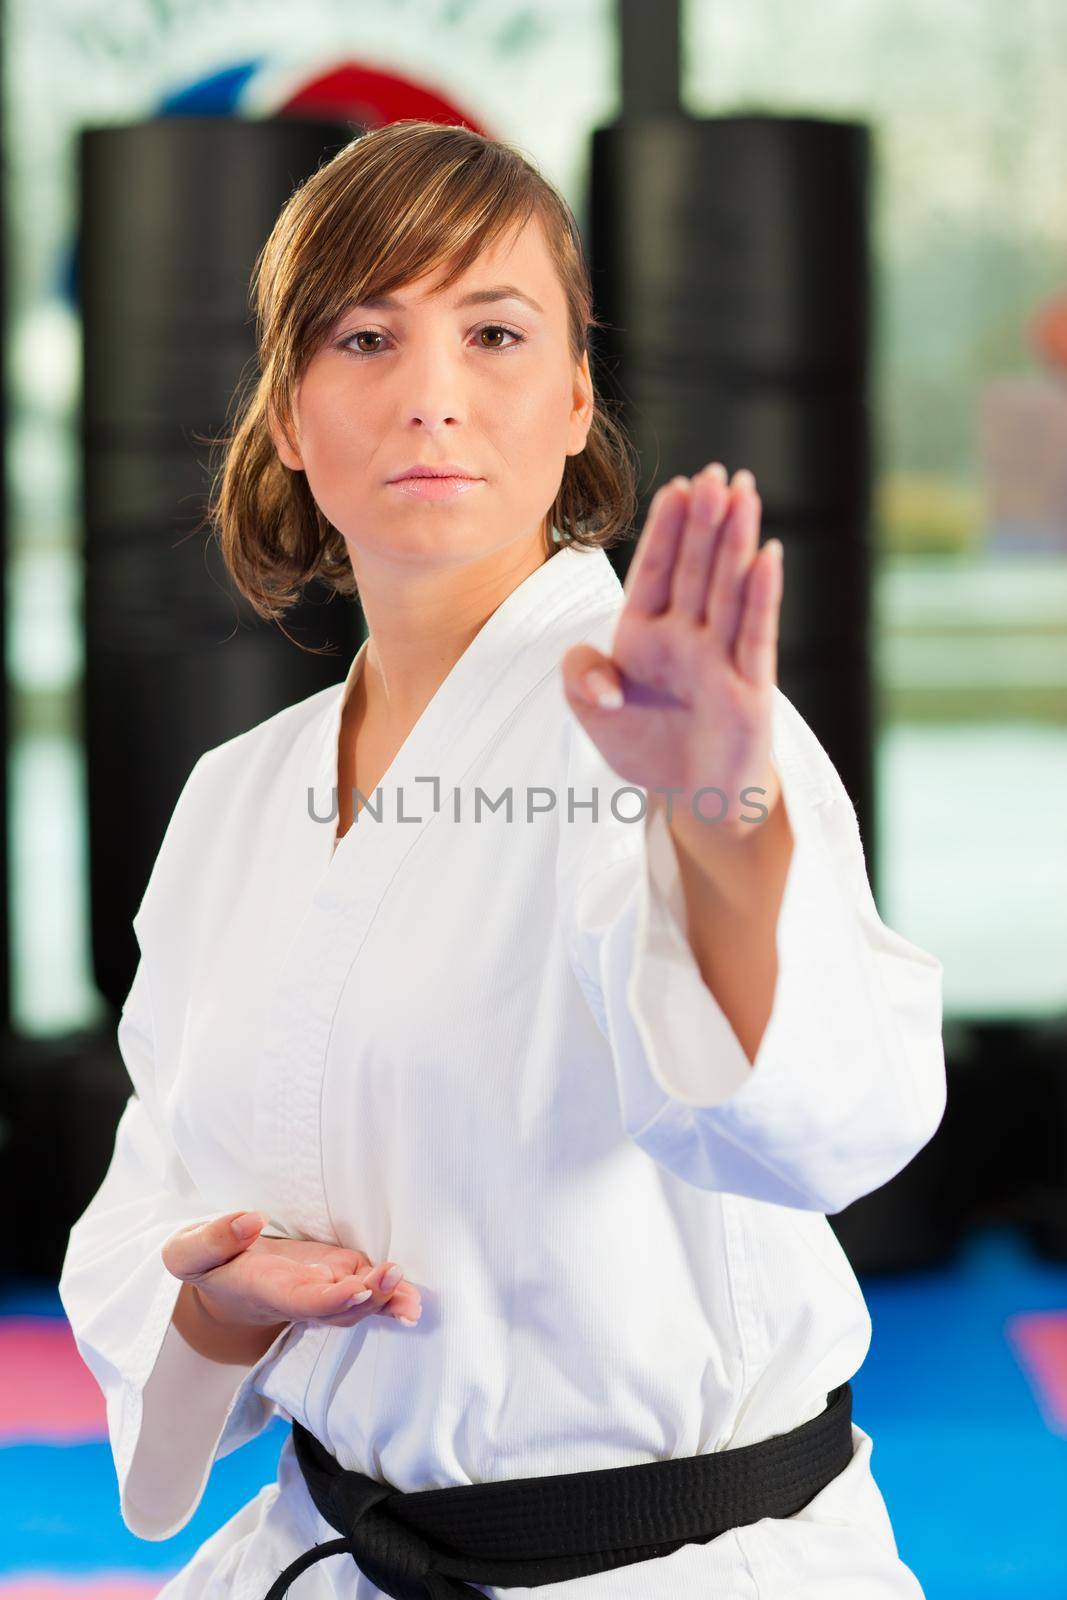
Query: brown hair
391,205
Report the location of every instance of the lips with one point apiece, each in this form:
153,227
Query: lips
431,488
447,469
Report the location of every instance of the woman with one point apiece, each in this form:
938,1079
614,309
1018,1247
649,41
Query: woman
588,1065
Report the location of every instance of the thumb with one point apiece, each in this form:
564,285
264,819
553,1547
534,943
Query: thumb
204,1245
592,678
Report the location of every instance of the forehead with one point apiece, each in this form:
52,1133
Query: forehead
519,259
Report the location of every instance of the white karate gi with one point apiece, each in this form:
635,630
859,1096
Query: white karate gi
484,1049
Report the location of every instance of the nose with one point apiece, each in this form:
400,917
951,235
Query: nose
431,384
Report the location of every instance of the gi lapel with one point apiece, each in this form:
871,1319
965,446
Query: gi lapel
520,644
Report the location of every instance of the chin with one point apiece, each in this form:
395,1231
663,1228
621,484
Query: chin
426,539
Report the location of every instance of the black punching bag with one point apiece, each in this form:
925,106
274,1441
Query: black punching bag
729,257
174,213
6,962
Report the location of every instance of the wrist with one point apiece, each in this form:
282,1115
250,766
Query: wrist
710,839
217,1336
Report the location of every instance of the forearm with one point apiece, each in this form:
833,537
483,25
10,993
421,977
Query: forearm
733,880
219,1341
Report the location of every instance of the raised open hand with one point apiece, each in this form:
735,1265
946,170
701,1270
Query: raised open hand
694,655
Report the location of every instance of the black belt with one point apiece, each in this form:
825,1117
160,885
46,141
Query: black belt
432,1544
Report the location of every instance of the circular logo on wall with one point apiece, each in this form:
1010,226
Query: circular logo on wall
343,90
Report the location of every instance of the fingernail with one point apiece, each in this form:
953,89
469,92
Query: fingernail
248,1223
391,1278
743,479
717,470
409,1322
606,694
358,1299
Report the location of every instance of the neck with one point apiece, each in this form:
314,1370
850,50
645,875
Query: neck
421,619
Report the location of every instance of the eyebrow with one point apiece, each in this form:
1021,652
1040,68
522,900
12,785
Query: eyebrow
477,297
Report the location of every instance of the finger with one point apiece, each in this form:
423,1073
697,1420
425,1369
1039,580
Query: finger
358,1288
404,1305
708,503
401,1300
340,1263
591,677
756,656
376,1278
405,1295
648,579
395,1310
204,1245
733,557
306,1302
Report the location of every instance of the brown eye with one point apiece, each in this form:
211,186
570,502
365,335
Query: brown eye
366,333
496,327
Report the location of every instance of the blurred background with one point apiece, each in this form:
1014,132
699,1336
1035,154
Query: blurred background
829,243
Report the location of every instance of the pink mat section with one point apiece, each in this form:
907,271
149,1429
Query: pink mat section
104,1586
1039,1341
47,1393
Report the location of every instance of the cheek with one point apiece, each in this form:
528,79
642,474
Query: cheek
341,421
535,412
334,416
338,442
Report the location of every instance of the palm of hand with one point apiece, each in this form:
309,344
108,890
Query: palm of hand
695,648
288,1272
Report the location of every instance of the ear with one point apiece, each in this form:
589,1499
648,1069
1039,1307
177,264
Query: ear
286,452
582,408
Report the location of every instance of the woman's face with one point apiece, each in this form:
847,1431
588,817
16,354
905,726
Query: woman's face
489,386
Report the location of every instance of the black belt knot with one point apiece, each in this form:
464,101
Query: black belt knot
395,1558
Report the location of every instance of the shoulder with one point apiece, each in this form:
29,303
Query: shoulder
288,733
232,783
275,736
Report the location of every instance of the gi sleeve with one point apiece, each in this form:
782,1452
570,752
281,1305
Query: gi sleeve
848,1083
170,1411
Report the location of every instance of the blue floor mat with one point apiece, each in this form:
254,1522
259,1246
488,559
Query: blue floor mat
974,1476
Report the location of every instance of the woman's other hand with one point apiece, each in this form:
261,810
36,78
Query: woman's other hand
257,1282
